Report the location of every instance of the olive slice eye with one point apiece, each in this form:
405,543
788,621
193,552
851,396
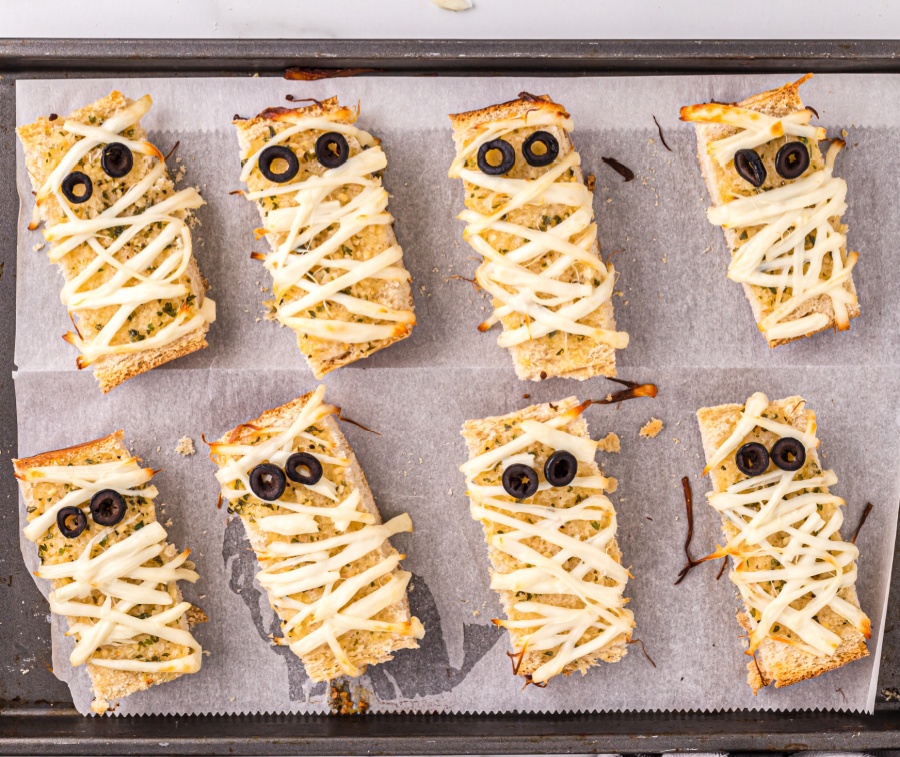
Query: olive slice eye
332,150
278,152
267,482
77,187
789,454
545,156
520,481
71,522
560,468
749,166
792,160
752,459
116,160
490,164
107,507
303,468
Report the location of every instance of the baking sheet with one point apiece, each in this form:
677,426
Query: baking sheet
691,330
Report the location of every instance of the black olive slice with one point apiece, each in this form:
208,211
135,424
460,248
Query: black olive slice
752,459
520,481
278,152
303,468
507,157
267,482
560,468
72,182
792,160
116,160
550,153
107,507
750,167
71,522
789,454
332,150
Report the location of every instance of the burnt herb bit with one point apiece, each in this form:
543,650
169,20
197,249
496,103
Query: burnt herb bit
169,309
661,137
136,336
624,171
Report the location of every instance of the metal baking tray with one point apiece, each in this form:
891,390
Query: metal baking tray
36,715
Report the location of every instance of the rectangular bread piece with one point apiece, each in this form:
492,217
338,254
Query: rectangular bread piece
325,560
111,213
338,275
792,642
534,228
768,226
554,557
93,575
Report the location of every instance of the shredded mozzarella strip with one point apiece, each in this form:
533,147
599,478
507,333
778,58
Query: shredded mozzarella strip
297,263
809,564
134,283
119,573
547,303
775,257
555,628
291,568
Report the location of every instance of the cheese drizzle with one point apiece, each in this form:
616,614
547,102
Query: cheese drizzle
119,573
811,564
554,628
787,219
545,301
152,279
303,269
304,564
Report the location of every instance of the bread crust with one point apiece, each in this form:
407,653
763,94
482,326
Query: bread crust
367,649
44,136
538,359
324,355
496,430
776,661
778,103
108,685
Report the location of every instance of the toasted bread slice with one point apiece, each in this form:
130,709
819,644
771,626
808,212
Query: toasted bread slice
801,311
150,643
556,563
786,649
133,289
331,574
533,225
339,278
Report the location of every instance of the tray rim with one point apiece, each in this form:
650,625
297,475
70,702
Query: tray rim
49,730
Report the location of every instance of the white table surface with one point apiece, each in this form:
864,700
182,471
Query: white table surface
420,19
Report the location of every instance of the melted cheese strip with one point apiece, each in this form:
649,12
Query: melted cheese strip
552,627
291,568
119,573
547,303
134,283
775,257
809,565
298,263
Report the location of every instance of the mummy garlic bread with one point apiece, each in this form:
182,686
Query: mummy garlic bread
325,560
782,527
113,574
337,270
120,233
551,532
531,218
780,204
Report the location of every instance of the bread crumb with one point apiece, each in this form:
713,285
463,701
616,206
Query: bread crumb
185,446
609,443
611,485
453,5
38,247
651,428
475,613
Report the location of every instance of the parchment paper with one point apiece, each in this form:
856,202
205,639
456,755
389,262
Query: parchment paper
691,330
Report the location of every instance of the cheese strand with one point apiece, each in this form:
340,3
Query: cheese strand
131,572
140,279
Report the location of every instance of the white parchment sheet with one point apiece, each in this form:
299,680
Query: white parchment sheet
691,330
